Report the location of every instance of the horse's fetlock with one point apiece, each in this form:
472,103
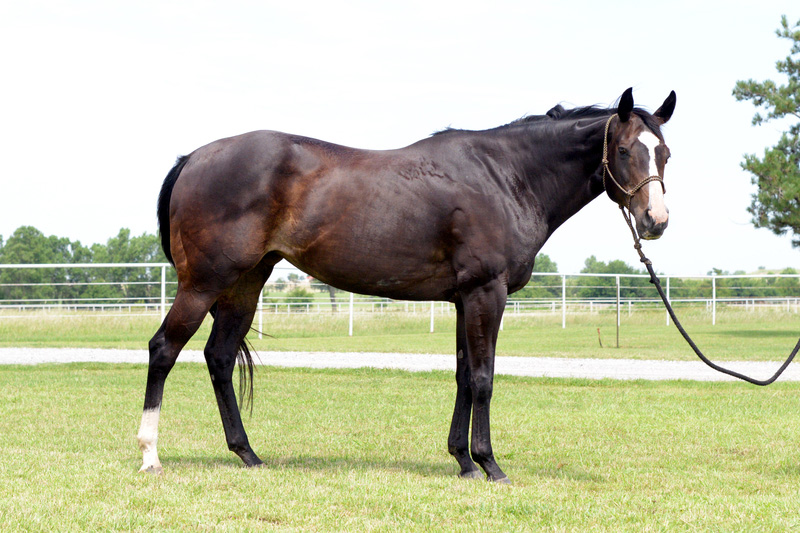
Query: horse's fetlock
457,451
482,454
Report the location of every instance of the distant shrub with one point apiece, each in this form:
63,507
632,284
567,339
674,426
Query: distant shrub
298,295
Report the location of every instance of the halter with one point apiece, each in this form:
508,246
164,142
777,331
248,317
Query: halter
637,244
629,193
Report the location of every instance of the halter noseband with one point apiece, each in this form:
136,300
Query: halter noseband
629,193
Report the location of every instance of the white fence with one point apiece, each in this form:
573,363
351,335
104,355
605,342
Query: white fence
146,288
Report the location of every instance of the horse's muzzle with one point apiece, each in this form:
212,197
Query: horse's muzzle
649,228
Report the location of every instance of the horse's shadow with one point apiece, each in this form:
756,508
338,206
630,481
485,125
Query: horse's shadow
343,463
319,463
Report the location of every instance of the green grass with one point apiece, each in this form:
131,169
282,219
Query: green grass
644,335
352,450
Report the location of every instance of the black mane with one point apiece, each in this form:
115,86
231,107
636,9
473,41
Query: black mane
560,113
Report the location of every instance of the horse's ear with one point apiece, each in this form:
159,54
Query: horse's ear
664,112
625,105
556,112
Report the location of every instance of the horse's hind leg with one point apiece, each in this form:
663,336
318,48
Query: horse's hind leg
186,315
232,319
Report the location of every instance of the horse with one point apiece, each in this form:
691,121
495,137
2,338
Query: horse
458,216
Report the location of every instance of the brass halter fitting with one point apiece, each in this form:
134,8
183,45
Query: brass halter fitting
629,193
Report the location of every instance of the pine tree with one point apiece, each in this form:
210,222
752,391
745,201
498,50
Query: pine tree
776,204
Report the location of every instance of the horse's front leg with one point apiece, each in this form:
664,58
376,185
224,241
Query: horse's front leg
458,441
483,310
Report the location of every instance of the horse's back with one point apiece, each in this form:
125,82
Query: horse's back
317,204
380,222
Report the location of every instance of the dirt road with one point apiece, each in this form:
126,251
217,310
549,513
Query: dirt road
518,366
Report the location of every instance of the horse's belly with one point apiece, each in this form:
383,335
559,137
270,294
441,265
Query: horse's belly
393,272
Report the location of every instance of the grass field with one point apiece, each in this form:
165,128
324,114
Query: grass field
644,335
365,450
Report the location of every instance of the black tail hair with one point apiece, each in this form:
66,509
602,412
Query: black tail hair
163,204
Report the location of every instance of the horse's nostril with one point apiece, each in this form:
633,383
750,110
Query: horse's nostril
656,218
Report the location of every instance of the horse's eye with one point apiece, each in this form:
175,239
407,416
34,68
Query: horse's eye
623,151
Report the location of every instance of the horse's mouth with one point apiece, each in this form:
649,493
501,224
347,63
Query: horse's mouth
650,236
650,231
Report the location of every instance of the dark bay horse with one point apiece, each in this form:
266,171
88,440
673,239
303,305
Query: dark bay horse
458,216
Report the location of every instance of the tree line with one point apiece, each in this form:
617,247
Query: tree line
28,245
589,287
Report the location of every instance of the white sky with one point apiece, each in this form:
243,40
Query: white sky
99,97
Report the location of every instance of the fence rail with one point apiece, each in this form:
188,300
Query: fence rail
148,289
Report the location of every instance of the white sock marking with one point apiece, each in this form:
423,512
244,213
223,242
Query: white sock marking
148,439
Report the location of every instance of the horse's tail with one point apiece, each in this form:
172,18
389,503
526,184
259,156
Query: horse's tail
163,204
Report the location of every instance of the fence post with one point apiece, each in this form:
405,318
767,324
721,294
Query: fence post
563,301
432,309
714,299
163,292
617,311
350,326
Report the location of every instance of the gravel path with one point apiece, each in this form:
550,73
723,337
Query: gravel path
518,366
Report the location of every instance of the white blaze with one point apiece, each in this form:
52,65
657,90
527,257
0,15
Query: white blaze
656,206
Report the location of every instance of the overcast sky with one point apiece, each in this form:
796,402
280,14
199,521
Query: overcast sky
98,98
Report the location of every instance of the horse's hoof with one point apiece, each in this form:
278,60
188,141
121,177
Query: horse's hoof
471,474
251,460
153,470
501,481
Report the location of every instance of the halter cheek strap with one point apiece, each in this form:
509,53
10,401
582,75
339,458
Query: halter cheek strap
629,193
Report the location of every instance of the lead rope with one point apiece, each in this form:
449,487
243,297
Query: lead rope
655,281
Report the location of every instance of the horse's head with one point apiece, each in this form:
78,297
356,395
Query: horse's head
634,156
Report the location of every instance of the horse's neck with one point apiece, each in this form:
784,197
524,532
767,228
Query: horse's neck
561,178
